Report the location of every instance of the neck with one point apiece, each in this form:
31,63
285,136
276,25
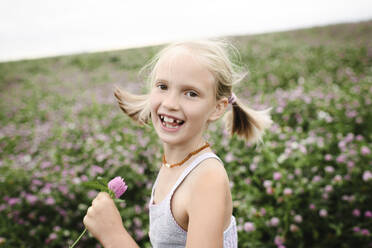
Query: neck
176,153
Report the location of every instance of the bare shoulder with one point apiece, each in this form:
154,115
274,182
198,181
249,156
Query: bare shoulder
210,171
206,205
209,179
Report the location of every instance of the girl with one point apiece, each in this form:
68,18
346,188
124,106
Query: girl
191,205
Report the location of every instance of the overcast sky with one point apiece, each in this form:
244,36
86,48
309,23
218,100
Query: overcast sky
39,28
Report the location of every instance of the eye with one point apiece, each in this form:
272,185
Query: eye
191,94
162,86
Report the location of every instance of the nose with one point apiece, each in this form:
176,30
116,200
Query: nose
171,101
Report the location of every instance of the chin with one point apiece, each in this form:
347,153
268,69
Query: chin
175,138
167,139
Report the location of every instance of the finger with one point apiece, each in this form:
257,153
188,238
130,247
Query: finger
85,220
90,211
103,195
94,202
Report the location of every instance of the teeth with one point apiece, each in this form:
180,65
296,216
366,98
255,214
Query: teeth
169,125
167,119
170,120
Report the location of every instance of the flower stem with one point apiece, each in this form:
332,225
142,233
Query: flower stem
81,235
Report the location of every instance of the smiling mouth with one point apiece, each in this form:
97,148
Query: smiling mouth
170,122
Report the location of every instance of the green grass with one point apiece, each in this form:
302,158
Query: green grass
59,121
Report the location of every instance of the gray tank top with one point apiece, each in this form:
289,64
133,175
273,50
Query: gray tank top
164,230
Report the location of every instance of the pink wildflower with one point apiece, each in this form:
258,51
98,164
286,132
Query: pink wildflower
367,175
298,218
50,201
337,178
368,214
328,188
139,233
359,137
117,185
350,164
96,170
263,211
341,144
137,209
269,190
329,169
293,228
52,236
84,178
356,212
323,213
249,227
341,158
2,207
287,191
267,183
253,167
274,221
347,177
31,199
42,218
316,178
365,150
229,157
365,232
277,175
13,201
278,240
325,196
328,157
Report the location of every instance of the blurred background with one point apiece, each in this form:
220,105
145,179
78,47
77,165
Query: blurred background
308,185
39,28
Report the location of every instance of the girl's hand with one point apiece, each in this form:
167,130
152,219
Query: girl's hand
103,219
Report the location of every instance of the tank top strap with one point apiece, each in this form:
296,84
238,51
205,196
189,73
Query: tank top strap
152,191
193,164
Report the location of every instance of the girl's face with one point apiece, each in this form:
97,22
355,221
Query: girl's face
183,98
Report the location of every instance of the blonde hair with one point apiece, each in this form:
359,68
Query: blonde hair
247,123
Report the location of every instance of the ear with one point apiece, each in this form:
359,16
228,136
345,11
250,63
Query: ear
219,110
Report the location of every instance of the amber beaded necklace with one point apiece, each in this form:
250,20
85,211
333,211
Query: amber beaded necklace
185,159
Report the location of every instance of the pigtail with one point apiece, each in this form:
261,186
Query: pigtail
247,123
135,106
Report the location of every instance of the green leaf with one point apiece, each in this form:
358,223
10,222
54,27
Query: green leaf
103,181
337,228
118,200
94,185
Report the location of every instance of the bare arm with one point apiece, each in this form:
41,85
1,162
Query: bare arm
122,240
207,207
104,222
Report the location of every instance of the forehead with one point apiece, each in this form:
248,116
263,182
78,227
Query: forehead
180,65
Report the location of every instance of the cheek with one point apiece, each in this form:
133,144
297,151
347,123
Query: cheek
153,99
196,114
154,104
201,114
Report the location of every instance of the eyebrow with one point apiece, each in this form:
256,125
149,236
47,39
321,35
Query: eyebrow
160,79
188,86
